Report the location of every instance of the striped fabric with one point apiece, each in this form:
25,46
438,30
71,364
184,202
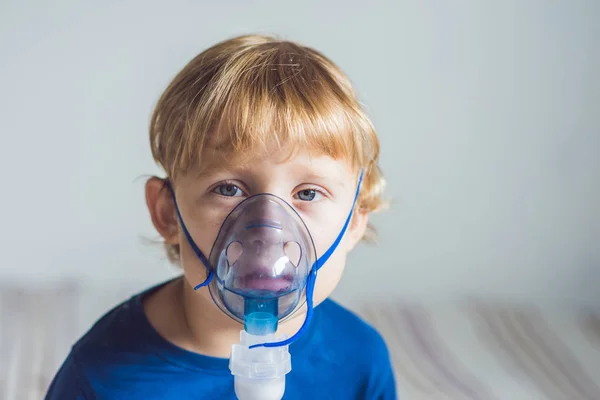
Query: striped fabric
470,350
482,350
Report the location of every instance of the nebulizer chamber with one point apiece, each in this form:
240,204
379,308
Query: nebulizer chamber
261,257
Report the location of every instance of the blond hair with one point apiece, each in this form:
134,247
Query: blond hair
249,92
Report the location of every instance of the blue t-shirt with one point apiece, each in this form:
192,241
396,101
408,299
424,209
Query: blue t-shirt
124,357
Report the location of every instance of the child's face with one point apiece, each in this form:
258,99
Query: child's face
320,188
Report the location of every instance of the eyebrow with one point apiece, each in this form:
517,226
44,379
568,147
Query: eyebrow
312,175
213,169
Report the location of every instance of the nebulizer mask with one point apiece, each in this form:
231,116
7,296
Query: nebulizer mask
261,269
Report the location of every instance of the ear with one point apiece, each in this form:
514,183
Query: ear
357,228
162,209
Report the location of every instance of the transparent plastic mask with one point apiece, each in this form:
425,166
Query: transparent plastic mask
261,260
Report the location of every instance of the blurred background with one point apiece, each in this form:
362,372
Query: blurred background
489,118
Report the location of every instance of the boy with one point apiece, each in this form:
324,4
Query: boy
250,115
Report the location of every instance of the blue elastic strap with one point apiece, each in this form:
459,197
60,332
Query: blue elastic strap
192,243
312,277
323,259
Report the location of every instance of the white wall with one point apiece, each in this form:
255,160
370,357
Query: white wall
489,115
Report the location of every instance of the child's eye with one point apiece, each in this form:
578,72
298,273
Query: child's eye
228,190
308,194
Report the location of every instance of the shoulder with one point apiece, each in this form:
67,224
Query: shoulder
351,332
346,323
358,348
113,331
123,328
115,340
73,378
69,382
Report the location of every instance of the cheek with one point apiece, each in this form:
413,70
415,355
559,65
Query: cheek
193,269
203,226
324,236
329,276
325,228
